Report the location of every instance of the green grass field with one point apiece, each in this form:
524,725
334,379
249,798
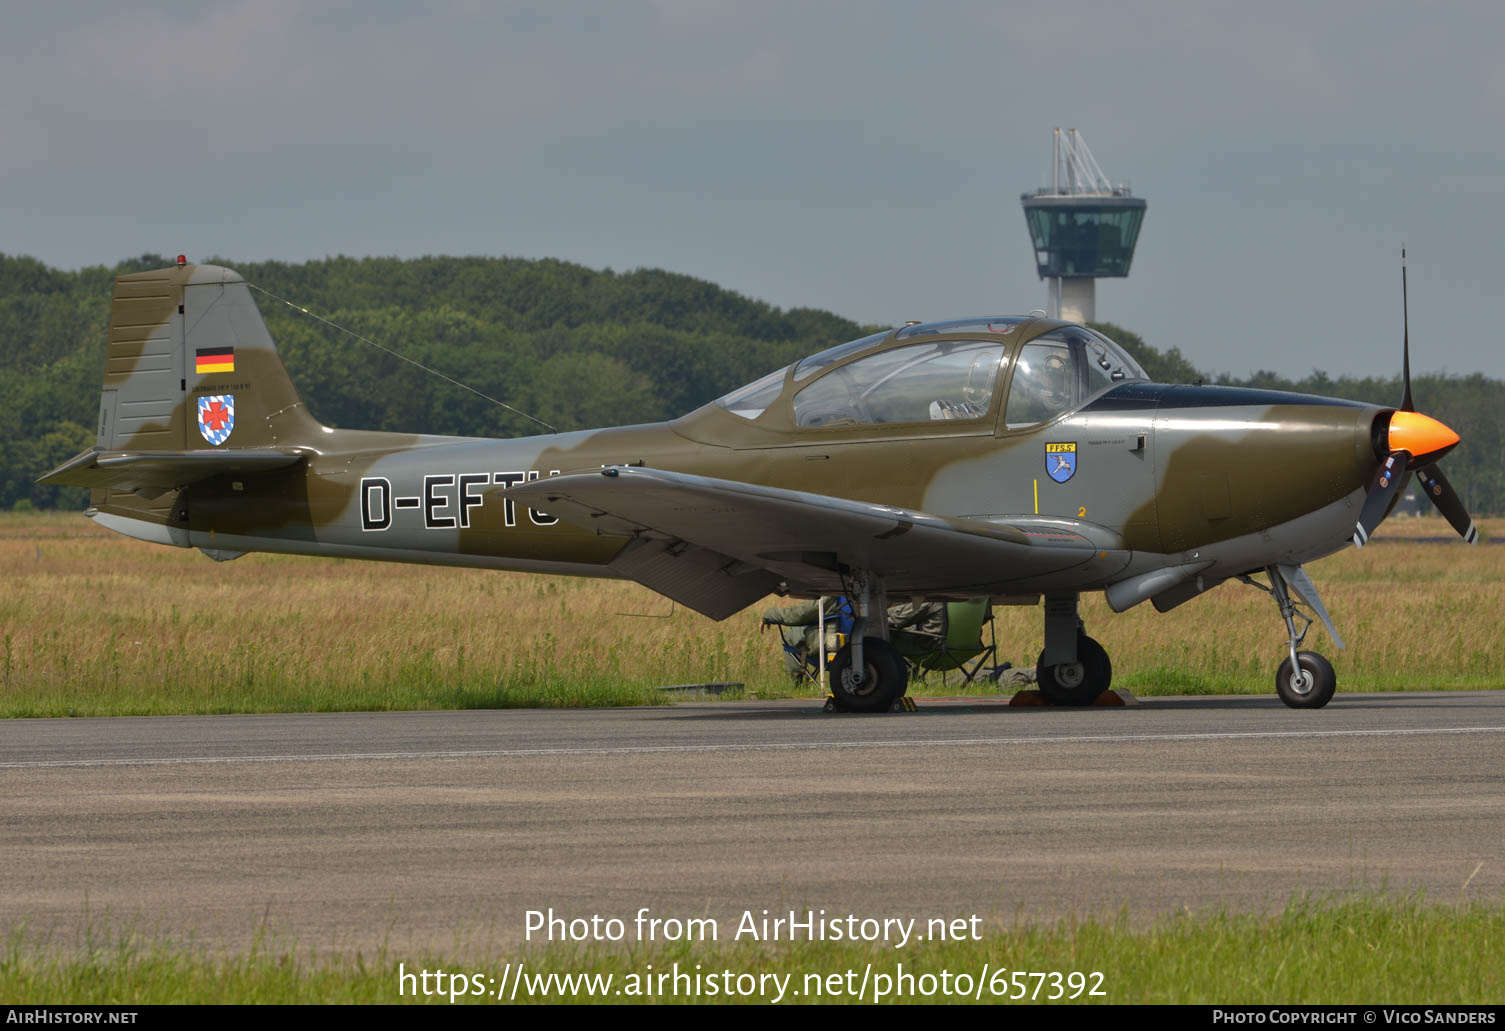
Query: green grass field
92,623
1370,949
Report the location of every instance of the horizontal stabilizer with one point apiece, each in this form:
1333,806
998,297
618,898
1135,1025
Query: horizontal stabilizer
149,472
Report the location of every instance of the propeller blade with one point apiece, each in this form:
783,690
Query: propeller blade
1387,480
1429,438
1406,405
1441,494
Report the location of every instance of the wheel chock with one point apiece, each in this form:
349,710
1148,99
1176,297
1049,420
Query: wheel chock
1118,698
905,704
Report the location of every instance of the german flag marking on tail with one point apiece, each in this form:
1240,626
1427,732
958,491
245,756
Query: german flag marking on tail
213,359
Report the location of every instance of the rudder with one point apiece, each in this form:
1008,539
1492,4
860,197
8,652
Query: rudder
191,365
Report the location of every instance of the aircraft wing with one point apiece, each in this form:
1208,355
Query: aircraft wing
152,472
717,546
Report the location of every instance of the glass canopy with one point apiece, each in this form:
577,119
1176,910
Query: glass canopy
942,379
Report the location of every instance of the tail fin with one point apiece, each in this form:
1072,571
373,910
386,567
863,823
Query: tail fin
193,387
191,365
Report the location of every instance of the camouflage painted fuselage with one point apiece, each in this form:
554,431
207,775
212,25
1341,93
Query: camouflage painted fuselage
1209,481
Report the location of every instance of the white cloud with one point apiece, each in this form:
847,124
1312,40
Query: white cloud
1288,60
763,68
1494,87
693,13
245,52
129,83
19,140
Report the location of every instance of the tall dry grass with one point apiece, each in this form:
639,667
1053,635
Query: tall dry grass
95,623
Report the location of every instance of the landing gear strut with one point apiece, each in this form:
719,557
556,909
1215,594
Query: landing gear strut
1305,680
868,674
1073,669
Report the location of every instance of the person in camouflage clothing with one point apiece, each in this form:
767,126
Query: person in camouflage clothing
927,618
799,625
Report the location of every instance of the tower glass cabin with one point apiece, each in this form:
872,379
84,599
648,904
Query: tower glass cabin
1083,236
1082,227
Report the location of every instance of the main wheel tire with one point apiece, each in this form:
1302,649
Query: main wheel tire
883,682
1312,688
1076,683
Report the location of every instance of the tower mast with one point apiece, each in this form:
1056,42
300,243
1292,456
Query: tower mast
1082,226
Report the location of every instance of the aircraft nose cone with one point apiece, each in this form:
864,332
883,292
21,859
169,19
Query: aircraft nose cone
1422,435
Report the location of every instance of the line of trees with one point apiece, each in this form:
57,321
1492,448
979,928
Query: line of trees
573,346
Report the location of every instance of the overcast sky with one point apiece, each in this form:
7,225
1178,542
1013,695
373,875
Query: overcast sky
865,157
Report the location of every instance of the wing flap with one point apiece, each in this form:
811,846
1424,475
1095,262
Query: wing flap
712,584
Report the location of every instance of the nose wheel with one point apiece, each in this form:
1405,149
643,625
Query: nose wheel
1307,686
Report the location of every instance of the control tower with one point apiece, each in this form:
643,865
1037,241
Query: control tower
1082,226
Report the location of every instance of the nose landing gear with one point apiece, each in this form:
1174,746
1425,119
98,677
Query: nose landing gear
1305,680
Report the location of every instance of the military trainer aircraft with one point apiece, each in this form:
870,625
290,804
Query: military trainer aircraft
1015,458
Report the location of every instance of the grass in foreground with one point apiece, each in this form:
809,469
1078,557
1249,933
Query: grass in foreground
1372,949
92,623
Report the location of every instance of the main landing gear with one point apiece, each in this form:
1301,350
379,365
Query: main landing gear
1073,669
1305,680
882,680
868,674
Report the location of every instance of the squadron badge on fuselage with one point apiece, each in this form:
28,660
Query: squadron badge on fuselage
216,417
1060,461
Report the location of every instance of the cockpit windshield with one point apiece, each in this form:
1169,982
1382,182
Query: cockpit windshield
1113,359
832,355
922,382
1058,371
752,400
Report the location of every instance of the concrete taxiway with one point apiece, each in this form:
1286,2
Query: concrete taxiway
439,830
